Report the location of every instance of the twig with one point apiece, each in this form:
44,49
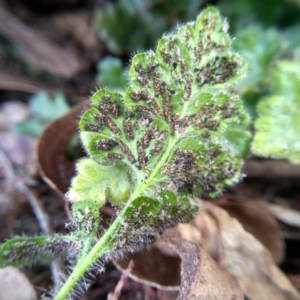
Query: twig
23,189
12,81
117,292
285,214
271,169
36,206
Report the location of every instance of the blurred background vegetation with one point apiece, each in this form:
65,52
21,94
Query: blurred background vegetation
75,46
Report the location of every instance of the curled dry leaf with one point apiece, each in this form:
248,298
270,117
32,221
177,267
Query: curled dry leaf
260,223
237,251
295,279
248,260
55,168
202,231
225,239
201,277
153,267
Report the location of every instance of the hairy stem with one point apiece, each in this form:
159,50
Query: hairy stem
85,262
102,247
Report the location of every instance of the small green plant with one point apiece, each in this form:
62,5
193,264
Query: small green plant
262,37
177,131
270,89
277,125
111,72
44,109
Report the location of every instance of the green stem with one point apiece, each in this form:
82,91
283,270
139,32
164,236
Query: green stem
85,261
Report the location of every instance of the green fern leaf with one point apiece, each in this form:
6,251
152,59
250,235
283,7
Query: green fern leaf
278,124
178,126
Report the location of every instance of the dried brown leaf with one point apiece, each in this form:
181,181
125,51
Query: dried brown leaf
153,267
287,215
260,223
295,279
233,248
208,233
238,251
55,168
201,277
248,260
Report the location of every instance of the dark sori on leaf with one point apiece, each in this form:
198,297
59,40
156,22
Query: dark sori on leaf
179,130
178,126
